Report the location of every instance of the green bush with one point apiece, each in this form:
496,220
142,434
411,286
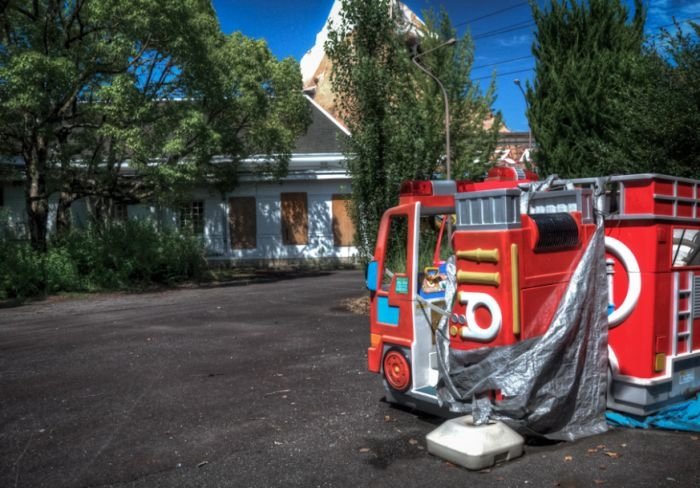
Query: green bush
60,272
21,270
111,257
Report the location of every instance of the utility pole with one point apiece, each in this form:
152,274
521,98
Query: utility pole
527,106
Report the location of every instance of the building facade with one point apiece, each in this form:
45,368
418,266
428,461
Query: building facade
303,216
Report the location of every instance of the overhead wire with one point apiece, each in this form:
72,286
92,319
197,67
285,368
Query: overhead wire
520,58
491,14
528,23
503,74
503,61
504,30
674,23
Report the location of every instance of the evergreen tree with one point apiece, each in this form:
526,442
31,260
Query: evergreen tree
395,112
664,115
586,73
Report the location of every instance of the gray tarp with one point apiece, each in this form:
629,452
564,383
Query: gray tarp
554,385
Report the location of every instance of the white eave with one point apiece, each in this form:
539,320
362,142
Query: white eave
312,166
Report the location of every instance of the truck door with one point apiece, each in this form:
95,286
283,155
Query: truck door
396,255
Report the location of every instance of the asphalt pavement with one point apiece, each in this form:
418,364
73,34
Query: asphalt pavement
249,386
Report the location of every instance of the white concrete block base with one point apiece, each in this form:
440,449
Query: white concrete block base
474,447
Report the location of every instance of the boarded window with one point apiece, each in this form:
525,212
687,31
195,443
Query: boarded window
343,226
242,224
191,217
295,219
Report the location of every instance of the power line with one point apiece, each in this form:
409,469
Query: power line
503,74
503,61
491,14
518,25
525,24
504,30
529,56
677,22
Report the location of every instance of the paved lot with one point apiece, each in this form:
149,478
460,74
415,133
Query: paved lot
259,385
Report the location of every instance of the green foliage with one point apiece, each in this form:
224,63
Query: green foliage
664,112
586,73
117,256
603,102
21,270
396,113
60,271
88,86
132,253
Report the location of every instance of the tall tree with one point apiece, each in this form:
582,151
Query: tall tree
587,55
395,112
663,113
682,85
89,88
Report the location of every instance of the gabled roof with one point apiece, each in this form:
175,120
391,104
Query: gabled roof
324,135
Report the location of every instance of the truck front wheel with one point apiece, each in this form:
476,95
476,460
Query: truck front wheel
397,370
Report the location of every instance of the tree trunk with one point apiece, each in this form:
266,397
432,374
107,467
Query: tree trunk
63,216
37,201
98,210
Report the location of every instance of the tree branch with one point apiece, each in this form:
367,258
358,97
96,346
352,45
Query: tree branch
20,10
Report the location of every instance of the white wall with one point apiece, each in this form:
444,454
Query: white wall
269,226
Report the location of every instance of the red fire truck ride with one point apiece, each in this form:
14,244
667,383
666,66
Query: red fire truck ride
513,265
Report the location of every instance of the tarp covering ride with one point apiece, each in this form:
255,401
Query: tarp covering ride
553,385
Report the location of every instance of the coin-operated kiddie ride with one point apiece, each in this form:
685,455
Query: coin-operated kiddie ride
515,248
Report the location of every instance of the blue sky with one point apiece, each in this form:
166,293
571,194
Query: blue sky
290,28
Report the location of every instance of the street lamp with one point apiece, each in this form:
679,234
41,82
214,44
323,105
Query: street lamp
450,42
529,129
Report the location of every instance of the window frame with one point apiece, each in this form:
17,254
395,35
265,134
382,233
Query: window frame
191,217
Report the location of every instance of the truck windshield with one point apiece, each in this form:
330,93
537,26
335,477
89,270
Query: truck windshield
429,234
395,251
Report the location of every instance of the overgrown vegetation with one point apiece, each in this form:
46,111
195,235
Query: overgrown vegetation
116,256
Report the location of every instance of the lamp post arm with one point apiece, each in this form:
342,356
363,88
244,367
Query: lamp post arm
448,159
